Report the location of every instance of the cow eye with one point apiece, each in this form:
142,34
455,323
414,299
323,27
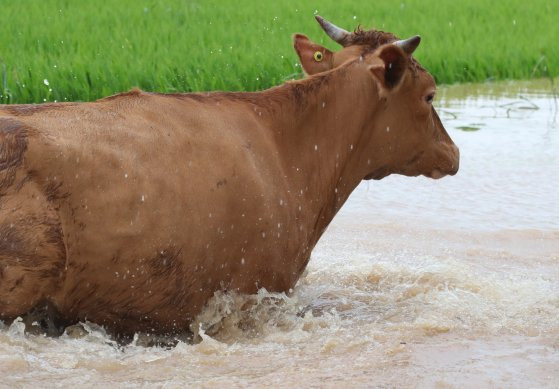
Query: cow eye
429,98
318,56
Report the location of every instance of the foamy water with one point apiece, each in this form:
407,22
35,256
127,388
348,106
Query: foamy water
417,283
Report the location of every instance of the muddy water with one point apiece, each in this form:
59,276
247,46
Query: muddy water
417,283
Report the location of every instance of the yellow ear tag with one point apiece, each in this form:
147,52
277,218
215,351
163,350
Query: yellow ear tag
318,56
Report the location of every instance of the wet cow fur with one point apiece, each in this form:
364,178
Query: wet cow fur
131,211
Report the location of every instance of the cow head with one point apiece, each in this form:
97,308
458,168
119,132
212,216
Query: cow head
407,136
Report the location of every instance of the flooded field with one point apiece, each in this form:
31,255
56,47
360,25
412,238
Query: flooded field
417,283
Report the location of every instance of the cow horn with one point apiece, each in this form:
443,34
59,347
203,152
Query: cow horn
336,33
409,45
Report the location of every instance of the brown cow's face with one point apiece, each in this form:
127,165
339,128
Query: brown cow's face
406,134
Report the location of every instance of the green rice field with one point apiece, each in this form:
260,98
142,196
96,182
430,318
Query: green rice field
82,50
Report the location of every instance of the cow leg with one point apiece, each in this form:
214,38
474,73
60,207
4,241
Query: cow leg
45,319
32,255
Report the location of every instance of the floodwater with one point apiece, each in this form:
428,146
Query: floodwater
417,283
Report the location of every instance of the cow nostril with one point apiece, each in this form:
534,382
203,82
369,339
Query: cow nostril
456,163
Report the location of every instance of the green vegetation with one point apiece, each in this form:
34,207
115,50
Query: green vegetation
86,49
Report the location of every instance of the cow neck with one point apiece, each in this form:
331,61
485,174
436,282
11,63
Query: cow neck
320,130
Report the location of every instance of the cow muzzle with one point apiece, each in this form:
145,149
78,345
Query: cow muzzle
449,164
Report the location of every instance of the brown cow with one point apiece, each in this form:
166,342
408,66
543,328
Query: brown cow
133,210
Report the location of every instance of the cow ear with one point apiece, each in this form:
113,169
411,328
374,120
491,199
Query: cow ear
314,58
392,67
